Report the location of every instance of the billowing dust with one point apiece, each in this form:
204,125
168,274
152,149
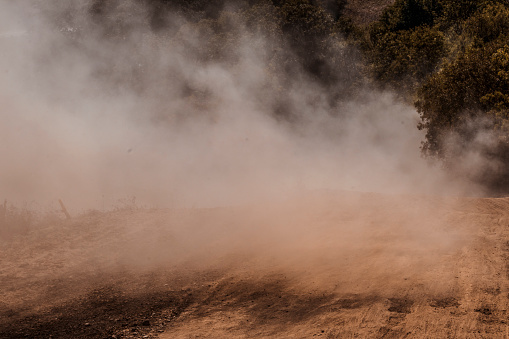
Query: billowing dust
222,183
340,263
353,242
91,115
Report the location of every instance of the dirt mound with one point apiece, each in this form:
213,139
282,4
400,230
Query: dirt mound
330,264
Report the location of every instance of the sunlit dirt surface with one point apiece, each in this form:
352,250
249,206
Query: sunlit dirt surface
332,265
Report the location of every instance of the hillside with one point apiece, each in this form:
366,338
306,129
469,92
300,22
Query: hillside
335,265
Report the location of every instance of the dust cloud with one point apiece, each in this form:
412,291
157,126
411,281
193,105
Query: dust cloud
96,109
101,107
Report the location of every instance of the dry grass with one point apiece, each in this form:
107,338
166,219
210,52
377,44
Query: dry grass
20,220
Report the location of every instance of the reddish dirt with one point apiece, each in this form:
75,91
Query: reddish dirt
328,265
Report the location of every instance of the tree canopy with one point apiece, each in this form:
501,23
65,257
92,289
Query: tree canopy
448,57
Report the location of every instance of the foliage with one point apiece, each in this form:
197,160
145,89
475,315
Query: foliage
489,24
450,57
403,47
295,38
453,58
304,21
475,84
403,59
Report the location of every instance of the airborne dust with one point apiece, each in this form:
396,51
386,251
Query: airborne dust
100,109
92,118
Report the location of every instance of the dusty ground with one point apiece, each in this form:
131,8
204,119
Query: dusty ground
327,265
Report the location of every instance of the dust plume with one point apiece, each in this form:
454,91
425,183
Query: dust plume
290,197
97,107
256,164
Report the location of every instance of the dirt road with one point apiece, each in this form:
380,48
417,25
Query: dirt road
332,265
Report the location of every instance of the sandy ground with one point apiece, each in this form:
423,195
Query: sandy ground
332,265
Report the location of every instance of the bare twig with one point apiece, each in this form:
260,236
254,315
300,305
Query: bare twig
3,211
67,215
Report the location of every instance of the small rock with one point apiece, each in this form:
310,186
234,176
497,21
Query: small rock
87,324
146,323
